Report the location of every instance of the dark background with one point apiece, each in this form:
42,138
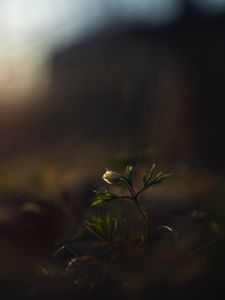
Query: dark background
133,92
137,86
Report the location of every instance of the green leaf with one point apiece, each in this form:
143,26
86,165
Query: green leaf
95,229
148,176
97,201
103,196
150,179
104,227
127,175
160,177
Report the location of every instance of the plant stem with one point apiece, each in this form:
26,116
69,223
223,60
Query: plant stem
143,214
130,189
134,198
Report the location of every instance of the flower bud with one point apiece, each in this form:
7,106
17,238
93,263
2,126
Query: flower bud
111,177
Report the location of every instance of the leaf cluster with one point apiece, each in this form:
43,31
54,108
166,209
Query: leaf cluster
103,196
127,175
104,227
151,178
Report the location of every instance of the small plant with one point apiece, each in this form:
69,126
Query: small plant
126,179
104,227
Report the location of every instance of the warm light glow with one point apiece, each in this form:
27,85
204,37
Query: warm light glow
30,30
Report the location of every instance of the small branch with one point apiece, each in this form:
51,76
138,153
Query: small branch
134,198
141,191
130,189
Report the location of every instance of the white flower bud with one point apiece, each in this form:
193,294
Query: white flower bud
111,177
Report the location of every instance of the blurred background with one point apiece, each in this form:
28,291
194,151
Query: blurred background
83,79
86,83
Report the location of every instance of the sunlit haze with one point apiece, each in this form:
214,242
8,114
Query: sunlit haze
32,30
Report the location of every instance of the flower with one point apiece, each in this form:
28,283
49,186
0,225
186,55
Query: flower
111,177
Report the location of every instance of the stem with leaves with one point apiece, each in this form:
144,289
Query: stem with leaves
135,199
149,179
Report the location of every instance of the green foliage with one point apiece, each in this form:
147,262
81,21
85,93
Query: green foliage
112,177
103,196
150,178
127,175
104,227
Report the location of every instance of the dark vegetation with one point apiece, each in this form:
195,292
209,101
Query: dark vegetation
121,245
125,90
